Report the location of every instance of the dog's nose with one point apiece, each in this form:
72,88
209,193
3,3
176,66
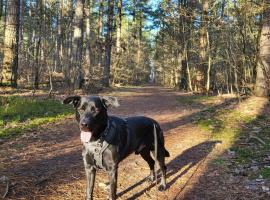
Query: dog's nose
84,124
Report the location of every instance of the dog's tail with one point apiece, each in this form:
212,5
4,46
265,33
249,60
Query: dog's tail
160,140
155,152
155,141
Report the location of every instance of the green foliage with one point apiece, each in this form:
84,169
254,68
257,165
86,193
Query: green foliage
233,126
196,100
18,114
219,162
265,172
243,155
223,124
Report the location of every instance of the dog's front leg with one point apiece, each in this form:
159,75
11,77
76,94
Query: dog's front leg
90,177
113,183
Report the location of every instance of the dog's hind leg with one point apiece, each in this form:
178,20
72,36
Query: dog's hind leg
145,153
163,168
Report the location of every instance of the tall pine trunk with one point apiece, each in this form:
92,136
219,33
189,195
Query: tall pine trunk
58,52
1,9
77,44
100,33
263,65
38,41
88,51
108,45
119,26
11,42
201,74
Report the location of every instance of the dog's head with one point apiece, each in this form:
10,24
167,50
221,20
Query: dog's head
91,114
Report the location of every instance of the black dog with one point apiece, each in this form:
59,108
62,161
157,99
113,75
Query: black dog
108,140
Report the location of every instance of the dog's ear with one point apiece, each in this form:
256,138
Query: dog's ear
109,101
75,100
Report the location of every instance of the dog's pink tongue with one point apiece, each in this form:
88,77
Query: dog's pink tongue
86,136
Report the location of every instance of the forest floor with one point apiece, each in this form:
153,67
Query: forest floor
204,135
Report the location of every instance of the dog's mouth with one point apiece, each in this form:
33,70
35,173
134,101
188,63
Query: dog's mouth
86,136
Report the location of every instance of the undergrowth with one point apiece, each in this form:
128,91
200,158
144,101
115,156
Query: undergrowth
18,114
234,125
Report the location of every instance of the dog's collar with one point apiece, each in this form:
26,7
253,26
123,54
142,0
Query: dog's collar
106,131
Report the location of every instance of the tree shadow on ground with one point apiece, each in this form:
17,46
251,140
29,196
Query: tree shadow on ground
248,152
189,118
189,157
33,177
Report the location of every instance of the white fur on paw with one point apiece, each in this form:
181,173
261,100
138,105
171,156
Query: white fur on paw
104,186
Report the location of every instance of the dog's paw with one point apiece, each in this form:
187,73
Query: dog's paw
112,198
105,186
162,187
150,179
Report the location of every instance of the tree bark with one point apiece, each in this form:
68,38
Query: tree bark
1,9
208,72
58,52
78,42
201,73
38,48
263,64
88,54
69,43
11,42
100,33
108,44
119,26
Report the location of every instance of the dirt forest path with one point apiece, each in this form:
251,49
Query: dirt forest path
47,163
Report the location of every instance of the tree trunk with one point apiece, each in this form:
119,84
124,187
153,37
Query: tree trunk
208,72
201,74
108,44
100,33
89,54
38,48
69,43
58,52
118,41
11,42
119,27
263,64
77,45
1,9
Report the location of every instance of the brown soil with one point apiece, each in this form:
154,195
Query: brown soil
47,163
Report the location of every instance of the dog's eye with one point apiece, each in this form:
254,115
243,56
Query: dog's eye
93,109
83,108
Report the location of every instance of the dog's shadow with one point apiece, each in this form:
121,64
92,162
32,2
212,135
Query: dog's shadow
189,158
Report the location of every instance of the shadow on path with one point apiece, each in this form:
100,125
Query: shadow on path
189,157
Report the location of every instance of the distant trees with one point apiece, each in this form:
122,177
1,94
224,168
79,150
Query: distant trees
201,46
215,43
